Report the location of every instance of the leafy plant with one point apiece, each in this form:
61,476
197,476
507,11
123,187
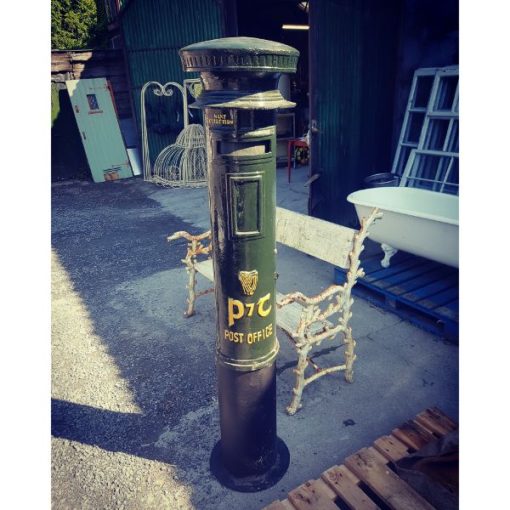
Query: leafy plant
74,24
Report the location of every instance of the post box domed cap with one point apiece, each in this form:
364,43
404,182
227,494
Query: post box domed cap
239,54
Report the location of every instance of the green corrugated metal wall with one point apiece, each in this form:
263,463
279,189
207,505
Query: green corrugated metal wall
353,58
154,31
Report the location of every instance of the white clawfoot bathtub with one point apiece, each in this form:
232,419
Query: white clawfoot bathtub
422,222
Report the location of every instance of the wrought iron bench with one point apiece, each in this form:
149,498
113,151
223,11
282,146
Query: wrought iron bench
301,317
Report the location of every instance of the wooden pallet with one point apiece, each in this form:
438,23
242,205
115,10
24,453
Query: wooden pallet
364,481
420,290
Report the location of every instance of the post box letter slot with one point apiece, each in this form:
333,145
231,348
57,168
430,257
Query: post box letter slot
243,148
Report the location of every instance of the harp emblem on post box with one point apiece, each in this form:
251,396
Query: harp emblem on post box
249,280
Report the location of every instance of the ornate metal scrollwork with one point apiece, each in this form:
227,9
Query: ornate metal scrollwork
160,90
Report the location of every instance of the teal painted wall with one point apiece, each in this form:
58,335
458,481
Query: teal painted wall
153,32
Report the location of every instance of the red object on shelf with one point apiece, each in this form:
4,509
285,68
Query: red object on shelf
291,145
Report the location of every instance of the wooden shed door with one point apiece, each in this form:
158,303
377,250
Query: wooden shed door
353,59
99,129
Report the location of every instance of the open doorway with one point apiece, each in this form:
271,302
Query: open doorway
284,21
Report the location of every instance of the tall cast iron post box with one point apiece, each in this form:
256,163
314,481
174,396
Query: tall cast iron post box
239,98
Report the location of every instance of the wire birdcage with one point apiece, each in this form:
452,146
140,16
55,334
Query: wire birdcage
183,163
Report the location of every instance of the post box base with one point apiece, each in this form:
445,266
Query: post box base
254,483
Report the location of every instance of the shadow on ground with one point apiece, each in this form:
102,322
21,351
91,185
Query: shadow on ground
111,238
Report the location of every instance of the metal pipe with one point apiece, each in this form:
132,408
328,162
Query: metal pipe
240,95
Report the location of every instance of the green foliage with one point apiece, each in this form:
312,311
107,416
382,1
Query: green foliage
55,104
74,24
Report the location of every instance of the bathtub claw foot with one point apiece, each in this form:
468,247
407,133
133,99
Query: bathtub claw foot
389,251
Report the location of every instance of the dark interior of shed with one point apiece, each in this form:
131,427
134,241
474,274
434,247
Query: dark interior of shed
264,19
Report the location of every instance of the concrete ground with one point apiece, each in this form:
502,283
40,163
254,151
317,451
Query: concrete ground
134,410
